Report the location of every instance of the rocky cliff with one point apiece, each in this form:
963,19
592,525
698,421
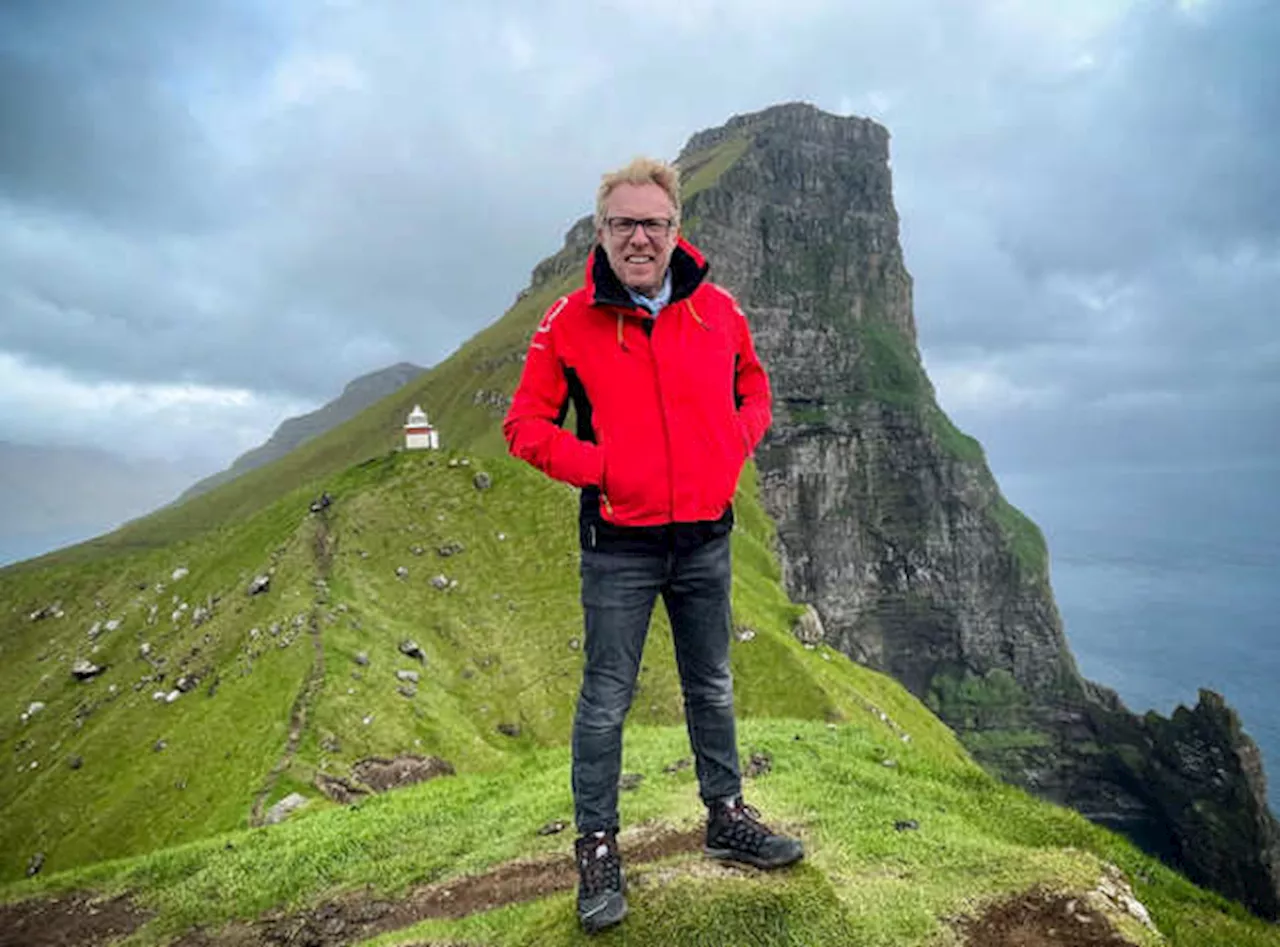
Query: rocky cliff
891,524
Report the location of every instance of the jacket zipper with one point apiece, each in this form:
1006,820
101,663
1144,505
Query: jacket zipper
666,431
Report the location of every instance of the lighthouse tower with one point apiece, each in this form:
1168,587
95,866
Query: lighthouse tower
418,434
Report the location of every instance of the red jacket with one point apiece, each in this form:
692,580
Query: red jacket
668,407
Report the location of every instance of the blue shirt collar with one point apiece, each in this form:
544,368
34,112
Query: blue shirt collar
654,303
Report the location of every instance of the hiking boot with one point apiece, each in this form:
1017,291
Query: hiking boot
735,833
601,884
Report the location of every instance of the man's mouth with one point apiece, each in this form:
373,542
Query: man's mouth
639,259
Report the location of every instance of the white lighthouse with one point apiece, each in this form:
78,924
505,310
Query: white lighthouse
418,433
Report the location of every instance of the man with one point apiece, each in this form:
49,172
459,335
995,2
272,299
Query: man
670,401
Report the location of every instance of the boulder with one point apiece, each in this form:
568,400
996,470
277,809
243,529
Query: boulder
284,808
483,481
410,649
83,670
49,611
808,629
260,584
32,709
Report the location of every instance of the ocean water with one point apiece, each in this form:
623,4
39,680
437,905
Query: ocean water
1168,580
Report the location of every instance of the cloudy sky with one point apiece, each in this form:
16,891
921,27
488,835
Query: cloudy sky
214,214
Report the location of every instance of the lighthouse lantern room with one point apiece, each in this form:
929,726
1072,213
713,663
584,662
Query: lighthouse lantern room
418,433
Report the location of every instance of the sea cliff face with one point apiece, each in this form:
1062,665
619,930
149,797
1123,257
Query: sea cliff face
891,524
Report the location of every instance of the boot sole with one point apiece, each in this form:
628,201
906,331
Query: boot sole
729,855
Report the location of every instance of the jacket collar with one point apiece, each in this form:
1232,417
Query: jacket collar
688,269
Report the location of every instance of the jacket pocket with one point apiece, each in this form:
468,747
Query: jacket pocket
744,440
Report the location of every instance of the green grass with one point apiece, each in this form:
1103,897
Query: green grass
498,650
502,646
128,796
862,882
1025,540
701,171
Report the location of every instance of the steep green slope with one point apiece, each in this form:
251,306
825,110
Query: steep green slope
318,654
867,880
852,753
488,362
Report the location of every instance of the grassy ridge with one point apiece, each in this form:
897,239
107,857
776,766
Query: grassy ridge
501,645
842,784
863,881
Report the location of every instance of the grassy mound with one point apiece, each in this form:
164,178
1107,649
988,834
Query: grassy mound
868,877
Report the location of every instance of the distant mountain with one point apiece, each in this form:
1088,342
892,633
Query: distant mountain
53,496
358,395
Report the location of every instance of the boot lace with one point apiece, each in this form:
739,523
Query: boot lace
740,828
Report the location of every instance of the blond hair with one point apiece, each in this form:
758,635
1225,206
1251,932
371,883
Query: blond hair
640,171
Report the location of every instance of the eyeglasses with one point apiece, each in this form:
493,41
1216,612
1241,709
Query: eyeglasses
654,227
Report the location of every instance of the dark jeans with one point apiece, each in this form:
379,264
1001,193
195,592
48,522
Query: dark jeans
618,593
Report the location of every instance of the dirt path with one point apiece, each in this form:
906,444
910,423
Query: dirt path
1032,919
357,917
74,919
323,549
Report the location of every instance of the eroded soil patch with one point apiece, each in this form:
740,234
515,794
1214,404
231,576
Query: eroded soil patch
382,774
76,919
356,916
1041,919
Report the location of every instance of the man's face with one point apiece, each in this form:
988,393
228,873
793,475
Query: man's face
640,258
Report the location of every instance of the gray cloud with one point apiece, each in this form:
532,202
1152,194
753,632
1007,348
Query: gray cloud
279,198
